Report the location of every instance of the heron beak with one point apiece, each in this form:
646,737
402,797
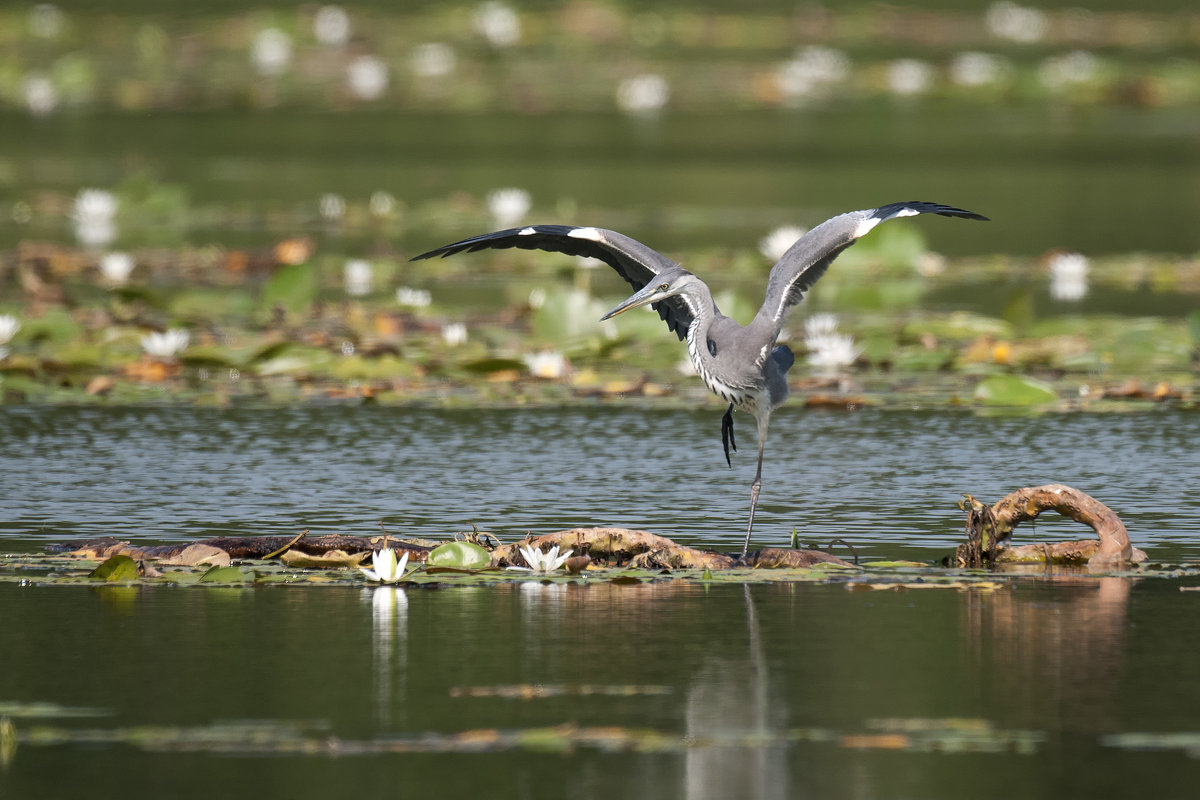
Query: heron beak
646,295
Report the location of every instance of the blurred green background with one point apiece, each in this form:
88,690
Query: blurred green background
257,177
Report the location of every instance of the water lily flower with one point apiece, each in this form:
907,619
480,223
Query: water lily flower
9,325
433,60
811,72
498,23
643,94
41,98
454,334
908,76
828,350
413,298
166,344
973,68
357,276
331,26
508,206
1068,276
540,562
548,364
271,51
777,242
116,267
387,568
367,77
95,217
1008,20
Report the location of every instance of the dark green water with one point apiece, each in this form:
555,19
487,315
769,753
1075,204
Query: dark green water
1029,690
760,692
1106,180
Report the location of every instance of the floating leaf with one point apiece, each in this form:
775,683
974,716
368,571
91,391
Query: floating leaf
332,558
293,287
226,575
117,568
489,365
195,555
1014,390
459,555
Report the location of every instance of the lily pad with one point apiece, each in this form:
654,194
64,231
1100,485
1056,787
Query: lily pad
1015,390
117,568
459,555
226,575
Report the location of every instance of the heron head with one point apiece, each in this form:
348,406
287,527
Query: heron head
665,284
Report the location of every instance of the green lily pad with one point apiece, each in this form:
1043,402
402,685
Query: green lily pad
1014,390
488,365
459,555
227,575
117,568
294,287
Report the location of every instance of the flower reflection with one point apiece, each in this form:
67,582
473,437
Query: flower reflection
389,628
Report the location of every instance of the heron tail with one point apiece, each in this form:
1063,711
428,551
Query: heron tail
782,355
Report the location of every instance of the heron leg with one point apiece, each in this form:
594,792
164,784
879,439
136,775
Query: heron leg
727,434
754,487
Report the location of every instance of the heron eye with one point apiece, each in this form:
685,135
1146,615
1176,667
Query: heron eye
663,287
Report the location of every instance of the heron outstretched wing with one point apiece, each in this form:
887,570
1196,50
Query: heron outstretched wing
633,261
807,259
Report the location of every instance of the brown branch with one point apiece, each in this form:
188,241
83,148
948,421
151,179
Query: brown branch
989,527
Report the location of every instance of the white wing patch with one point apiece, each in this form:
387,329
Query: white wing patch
868,224
526,232
865,226
590,234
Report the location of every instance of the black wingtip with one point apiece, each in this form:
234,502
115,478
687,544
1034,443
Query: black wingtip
922,207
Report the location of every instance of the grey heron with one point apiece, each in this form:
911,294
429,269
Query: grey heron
741,364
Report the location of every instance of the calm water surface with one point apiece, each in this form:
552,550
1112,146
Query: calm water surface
761,691
758,691
887,482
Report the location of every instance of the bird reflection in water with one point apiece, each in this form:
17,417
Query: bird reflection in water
739,749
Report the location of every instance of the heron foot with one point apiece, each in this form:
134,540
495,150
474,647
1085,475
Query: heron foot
727,434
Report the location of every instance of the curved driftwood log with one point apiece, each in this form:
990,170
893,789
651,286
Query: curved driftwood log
989,527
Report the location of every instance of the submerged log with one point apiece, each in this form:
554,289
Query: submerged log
241,546
622,546
608,547
989,528
617,547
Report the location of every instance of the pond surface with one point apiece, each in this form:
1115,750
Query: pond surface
887,482
1106,180
1038,687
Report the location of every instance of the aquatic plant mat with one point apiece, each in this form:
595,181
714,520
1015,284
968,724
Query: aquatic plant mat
613,556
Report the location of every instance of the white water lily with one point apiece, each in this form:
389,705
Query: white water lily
388,569
9,325
508,206
1068,276
166,344
777,242
116,267
828,350
538,561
